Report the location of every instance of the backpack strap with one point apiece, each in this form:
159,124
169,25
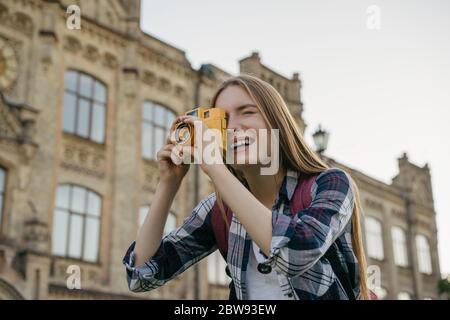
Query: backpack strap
301,199
220,228
221,232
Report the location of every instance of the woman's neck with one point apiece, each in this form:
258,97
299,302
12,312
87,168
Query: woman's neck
264,187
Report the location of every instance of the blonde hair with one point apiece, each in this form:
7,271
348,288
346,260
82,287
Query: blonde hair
294,153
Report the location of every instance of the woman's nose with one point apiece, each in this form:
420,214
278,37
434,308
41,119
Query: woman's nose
233,123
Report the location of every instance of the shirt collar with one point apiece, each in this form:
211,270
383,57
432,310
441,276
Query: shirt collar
289,183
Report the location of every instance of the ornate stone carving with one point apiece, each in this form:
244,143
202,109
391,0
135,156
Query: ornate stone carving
374,205
72,44
21,22
36,236
7,128
397,213
83,157
110,61
8,65
180,92
164,84
17,126
91,53
149,78
16,121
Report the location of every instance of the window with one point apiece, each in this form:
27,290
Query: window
403,296
76,223
2,190
423,254
216,269
156,123
400,248
84,106
374,238
171,222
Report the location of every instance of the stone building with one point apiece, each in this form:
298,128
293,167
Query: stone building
82,112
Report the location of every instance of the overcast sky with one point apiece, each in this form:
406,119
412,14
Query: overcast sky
379,92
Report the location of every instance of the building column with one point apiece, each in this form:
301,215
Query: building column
392,278
410,236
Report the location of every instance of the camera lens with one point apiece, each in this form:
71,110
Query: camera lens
182,133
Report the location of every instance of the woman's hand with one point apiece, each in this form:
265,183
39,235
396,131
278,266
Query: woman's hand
170,165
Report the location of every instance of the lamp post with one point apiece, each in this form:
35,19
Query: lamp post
321,140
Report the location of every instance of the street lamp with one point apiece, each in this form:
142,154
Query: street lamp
321,139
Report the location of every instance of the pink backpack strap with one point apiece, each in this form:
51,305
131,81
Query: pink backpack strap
301,199
220,228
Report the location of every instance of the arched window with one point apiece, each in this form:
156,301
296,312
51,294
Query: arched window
76,223
216,269
84,106
374,238
400,248
156,122
2,191
171,222
423,254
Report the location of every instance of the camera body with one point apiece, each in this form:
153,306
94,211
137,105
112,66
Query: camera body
213,118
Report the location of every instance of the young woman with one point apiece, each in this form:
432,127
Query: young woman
272,254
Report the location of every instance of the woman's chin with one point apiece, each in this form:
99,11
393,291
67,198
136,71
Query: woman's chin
243,162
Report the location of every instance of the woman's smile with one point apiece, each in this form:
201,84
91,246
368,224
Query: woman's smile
241,144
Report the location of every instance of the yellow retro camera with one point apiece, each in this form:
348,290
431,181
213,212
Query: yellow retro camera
214,118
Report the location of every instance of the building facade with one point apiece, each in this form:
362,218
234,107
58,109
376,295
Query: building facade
82,114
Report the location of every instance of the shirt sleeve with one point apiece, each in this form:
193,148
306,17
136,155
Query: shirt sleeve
299,241
178,250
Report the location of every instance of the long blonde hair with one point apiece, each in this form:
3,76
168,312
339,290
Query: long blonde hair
294,153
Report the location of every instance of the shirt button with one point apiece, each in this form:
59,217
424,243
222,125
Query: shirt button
263,268
289,295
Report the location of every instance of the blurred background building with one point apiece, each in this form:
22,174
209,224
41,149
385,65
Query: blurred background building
82,114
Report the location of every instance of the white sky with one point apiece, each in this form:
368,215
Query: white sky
378,92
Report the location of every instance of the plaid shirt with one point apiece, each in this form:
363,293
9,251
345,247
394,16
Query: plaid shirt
297,245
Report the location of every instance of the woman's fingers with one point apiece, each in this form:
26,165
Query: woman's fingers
176,155
176,121
166,149
163,154
189,119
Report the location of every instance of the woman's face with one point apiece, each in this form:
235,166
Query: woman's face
244,117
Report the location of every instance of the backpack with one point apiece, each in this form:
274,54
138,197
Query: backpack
301,199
